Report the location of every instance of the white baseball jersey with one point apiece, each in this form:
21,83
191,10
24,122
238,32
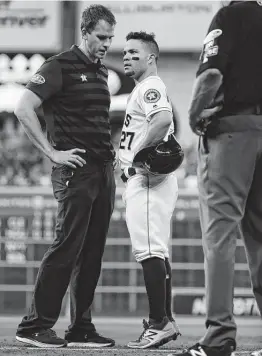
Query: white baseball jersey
146,99
149,199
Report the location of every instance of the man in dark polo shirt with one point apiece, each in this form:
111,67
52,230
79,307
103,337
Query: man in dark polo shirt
73,91
229,163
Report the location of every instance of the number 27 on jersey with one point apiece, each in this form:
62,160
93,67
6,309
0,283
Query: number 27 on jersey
126,136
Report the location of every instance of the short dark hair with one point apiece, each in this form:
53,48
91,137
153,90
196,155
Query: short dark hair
148,38
92,14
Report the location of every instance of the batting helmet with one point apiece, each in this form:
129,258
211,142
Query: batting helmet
164,158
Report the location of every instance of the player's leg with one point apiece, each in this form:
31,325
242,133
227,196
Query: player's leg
168,205
139,215
148,219
225,171
154,271
75,196
171,186
86,273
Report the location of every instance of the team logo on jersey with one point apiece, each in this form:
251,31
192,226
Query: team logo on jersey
37,79
152,96
210,48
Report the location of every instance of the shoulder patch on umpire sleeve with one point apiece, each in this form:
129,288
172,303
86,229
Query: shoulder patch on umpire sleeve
152,96
212,35
37,79
210,47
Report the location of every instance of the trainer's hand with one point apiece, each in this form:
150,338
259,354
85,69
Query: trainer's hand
69,158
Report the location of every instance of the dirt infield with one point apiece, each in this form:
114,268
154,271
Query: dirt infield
122,330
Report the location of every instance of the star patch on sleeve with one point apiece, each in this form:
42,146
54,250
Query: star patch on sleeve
152,96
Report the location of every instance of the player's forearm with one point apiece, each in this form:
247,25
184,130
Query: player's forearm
32,127
157,129
204,91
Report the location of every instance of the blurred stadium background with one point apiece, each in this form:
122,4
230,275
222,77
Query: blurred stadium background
30,32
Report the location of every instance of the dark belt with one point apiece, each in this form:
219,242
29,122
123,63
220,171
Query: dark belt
241,110
236,122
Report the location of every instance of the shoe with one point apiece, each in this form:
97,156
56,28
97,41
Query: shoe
90,339
154,335
201,350
41,338
177,330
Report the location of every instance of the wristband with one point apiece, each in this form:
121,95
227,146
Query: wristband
127,173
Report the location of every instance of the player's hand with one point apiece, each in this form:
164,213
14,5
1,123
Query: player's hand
69,158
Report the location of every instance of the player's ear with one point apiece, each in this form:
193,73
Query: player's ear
151,58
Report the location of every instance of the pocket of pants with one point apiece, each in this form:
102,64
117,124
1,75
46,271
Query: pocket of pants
66,175
62,178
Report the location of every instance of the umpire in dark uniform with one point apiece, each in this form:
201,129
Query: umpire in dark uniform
229,163
73,91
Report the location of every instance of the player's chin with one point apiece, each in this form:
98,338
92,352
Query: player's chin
129,72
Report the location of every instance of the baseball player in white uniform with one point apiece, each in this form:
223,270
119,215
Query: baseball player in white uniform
150,198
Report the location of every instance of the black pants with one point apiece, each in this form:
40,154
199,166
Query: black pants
85,204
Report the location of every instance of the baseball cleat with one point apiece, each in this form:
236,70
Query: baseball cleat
154,335
43,338
176,334
201,350
90,339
